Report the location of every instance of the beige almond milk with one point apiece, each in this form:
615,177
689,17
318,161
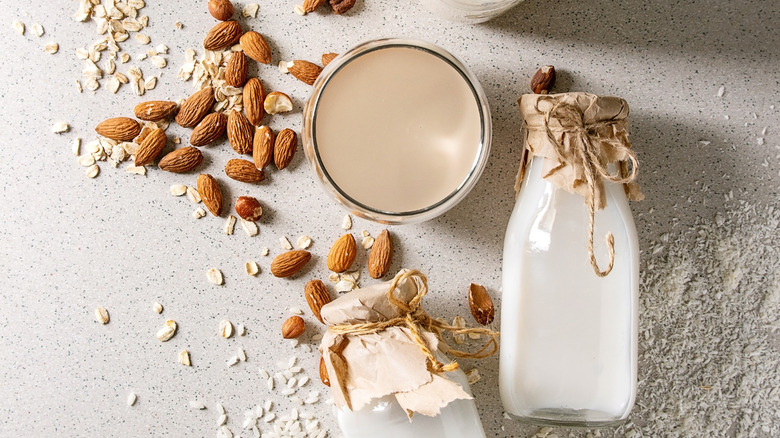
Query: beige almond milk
398,129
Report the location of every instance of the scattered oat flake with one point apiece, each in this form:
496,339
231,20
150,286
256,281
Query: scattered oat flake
38,29
193,195
225,328
197,405
142,38
473,376
51,48
232,361
76,146
251,268
250,10
86,160
242,354
214,276
300,10
78,86
265,251
304,242
222,420
101,315
157,307
19,27
230,225
721,90
285,243
199,213
93,171
241,330
347,222
365,233
150,83
178,189
296,310
179,25
368,242
760,141
136,170
131,398
250,227
167,331
284,66
60,127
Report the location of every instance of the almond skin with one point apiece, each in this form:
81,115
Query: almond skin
181,160
151,147
254,95
236,69
244,171
155,110
289,263
240,132
263,147
317,295
224,34
293,327
195,108
210,193
342,253
256,47
222,10
327,58
249,208
381,255
324,372
211,128
284,148
480,304
119,128
305,71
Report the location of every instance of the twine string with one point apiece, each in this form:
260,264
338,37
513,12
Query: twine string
571,119
417,321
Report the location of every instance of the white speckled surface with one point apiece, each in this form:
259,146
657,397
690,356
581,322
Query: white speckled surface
69,244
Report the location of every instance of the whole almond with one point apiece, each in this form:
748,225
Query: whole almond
209,129
224,34
480,304
249,208
119,128
236,69
222,10
151,147
195,108
293,327
544,79
342,253
284,148
324,372
254,95
155,110
256,47
244,171
305,71
181,160
341,6
263,147
310,6
289,263
210,193
240,132
381,255
317,295
328,57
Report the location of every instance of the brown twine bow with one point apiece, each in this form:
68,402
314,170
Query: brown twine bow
572,122
414,318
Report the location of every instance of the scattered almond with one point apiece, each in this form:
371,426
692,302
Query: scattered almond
284,148
210,193
240,132
249,208
342,253
293,327
341,6
263,147
253,98
151,147
543,80
244,171
277,102
195,108
155,110
305,71
480,304
317,295
221,9
223,35
211,128
289,263
310,6
119,128
381,255
324,372
236,69
181,160
327,58
256,47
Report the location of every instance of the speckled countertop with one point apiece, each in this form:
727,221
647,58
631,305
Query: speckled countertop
69,244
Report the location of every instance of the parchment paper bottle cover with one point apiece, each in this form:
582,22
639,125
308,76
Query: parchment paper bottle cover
569,306
397,130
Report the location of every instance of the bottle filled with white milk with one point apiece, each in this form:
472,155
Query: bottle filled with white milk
571,266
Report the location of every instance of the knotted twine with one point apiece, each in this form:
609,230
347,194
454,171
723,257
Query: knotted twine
416,319
586,144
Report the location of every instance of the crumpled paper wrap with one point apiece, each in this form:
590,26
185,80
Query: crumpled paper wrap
390,362
577,121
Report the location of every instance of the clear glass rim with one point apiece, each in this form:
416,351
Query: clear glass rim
366,211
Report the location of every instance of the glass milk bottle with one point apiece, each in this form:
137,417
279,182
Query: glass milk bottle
568,336
385,418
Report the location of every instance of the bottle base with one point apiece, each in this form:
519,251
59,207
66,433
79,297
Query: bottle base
582,418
